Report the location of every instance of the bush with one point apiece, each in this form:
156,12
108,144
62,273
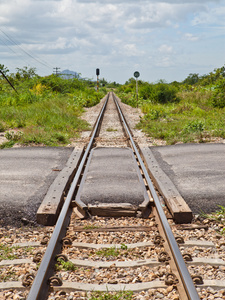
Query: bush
2,127
194,126
218,98
159,93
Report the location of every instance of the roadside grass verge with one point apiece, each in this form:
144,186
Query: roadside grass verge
46,111
192,119
51,122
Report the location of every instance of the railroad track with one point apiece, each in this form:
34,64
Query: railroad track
127,248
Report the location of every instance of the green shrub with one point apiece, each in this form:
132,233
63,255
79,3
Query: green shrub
194,126
13,136
8,144
155,114
2,127
218,98
159,93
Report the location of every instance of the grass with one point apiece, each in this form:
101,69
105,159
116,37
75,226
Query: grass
193,119
111,129
11,275
65,265
46,112
7,252
107,252
91,227
123,295
8,144
112,251
51,122
218,217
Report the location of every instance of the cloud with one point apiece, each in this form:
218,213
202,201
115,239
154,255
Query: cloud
191,37
209,17
79,33
164,62
165,49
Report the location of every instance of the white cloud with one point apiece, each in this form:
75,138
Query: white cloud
164,62
80,33
212,16
165,49
191,37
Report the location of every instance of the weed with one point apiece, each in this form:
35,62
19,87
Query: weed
48,109
91,227
9,144
123,295
112,251
111,129
2,127
217,216
123,247
7,252
194,126
218,97
11,275
65,265
13,136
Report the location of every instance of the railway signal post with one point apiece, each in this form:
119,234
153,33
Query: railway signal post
97,73
136,75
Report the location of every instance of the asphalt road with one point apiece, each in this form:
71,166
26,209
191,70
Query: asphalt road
197,171
25,176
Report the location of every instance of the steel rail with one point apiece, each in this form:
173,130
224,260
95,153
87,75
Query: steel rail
40,283
179,261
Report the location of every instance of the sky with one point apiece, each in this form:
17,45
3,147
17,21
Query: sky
161,39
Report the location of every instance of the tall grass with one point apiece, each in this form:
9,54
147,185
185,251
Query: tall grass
46,111
193,118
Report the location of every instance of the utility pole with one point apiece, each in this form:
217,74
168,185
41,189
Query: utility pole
8,81
55,70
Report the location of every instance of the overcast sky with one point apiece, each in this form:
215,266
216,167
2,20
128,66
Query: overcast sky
161,39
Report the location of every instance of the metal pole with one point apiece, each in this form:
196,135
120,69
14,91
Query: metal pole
137,90
97,73
97,83
8,81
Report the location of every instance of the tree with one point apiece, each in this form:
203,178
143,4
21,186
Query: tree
192,78
25,73
4,69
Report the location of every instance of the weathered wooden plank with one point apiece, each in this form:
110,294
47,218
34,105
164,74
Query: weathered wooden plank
177,206
113,210
49,209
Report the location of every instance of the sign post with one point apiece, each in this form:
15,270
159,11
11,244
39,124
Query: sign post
97,73
136,75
